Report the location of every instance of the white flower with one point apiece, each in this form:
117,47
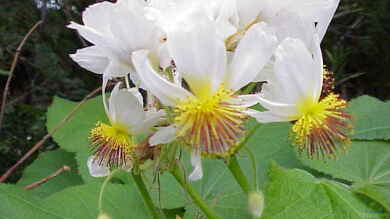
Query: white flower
116,30
293,93
288,17
209,115
113,144
171,13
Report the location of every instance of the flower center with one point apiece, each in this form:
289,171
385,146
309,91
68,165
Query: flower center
213,124
321,126
111,144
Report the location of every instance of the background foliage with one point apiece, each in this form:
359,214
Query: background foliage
356,48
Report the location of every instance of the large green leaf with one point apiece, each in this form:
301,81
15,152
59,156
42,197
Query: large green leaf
73,136
269,142
46,164
17,204
299,195
367,165
119,202
372,118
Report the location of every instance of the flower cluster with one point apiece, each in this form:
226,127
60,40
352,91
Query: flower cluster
193,59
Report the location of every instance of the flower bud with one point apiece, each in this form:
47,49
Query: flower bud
103,216
256,203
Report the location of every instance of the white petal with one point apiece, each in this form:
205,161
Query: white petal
118,68
196,161
296,77
104,98
151,119
248,10
266,73
227,18
252,54
90,34
164,56
137,94
167,92
318,66
95,170
326,18
197,51
164,135
98,16
125,108
92,59
131,28
291,24
134,77
267,116
281,109
248,100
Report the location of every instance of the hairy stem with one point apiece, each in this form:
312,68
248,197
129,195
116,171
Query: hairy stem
154,211
239,176
198,201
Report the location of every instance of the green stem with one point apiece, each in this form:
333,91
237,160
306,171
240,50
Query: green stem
254,167
240,177
194,195
156,214
104,185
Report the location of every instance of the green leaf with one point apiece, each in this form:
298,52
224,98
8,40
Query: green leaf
17,203
297,194
220,190
119,202
166,191
46,164
366,164
73,136
372,118
269,142
4,72
378,192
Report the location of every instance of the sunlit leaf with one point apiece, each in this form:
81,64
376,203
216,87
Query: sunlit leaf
46,164
297,194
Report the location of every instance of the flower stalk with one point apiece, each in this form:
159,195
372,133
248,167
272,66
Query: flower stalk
238,175
154,211
198,201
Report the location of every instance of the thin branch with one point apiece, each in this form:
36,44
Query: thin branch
44,180
13,66
46,137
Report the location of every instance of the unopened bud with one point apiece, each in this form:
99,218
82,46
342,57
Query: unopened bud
103,216
256,203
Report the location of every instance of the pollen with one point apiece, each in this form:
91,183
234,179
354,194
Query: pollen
112,145
323,127
213,124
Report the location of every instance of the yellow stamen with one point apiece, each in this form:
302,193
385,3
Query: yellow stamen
112,144
211,123
321,126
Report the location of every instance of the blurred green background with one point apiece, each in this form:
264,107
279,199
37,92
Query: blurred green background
356,48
